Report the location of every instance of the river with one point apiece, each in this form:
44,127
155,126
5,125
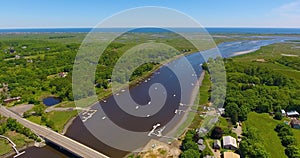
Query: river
164,84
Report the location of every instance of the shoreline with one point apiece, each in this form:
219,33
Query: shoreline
185,117
23,148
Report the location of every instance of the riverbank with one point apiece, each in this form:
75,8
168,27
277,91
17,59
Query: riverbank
188,116
12,152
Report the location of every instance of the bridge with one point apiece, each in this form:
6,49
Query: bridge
54,137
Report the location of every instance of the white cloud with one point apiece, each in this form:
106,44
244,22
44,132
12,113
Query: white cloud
286,15
291,9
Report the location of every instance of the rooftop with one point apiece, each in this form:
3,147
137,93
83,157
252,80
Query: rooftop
290,113
201,147
228,140
231,155
295,122
200,142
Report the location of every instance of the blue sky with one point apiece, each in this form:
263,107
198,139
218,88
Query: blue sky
209,13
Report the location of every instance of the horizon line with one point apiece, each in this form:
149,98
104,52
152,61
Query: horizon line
87,27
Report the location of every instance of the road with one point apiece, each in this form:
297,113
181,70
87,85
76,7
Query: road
61,140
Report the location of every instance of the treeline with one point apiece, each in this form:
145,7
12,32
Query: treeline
30,47
216,69
288,140
9,124
255,88
293,62
30,63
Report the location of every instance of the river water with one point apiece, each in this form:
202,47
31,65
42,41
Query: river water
164,86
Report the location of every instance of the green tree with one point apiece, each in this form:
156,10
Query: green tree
232,111
189,145
190,153
278,116
243,113
217,133
292,151
288,140
39,110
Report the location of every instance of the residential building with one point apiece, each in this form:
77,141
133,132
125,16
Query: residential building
200,142
230,155
9,100
229,143
201,145
295,123
292,114
217,144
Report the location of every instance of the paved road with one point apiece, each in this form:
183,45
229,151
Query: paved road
54,137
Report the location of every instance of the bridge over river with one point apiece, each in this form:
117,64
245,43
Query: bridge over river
54,137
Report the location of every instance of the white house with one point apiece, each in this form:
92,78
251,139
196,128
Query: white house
229,143
292,114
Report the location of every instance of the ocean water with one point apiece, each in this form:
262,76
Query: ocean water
145,30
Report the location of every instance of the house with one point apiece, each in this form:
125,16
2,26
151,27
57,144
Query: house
295,123
201,131
283,112
201,145
200,142
230,155
229,143
292,114
217,144
9,100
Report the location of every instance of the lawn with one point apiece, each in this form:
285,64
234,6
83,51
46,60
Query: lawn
19,139
4,146
204,89
60,118
265,125
297,136
35,119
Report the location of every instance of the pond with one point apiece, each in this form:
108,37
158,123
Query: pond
50,101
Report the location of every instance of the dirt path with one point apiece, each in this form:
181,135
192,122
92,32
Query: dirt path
217,153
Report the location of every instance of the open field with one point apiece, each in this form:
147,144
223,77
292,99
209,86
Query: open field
268,56
297,136
59,118
265,125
